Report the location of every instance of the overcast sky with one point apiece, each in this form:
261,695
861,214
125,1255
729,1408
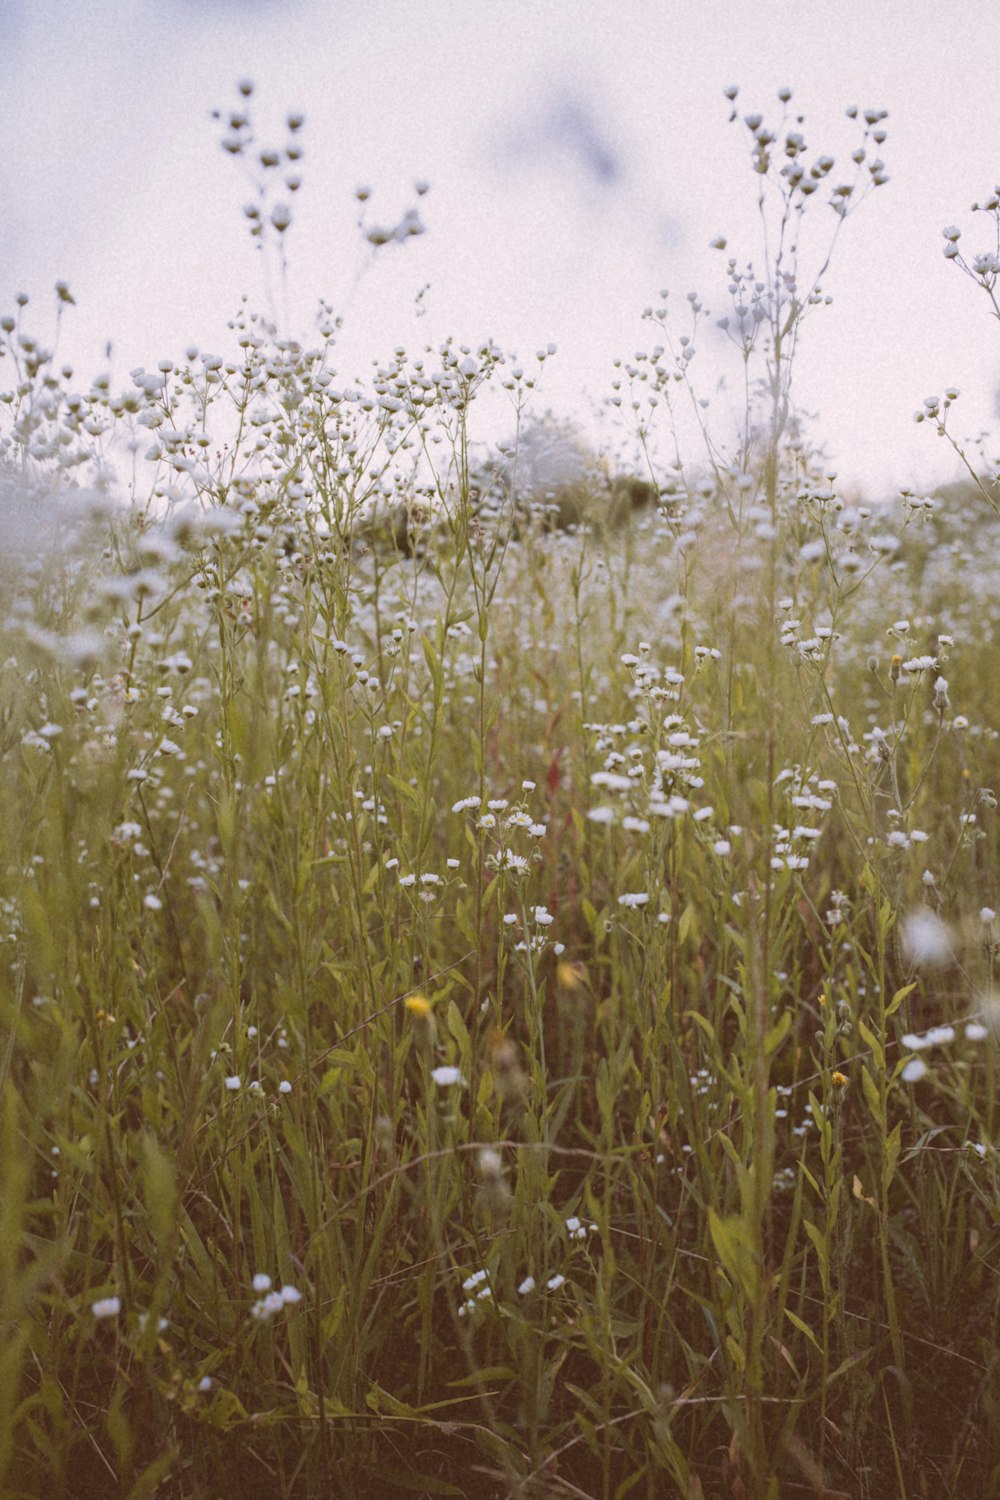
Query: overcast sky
579,158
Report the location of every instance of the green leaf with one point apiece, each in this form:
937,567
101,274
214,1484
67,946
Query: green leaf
409,1479
819,1242
38,926
733,1241
808,1175
777,1033
870,1090
848,1364
382,1404
898,998
803,1327
489,1372
871,1040
822,1254
160,1189
892,1146
587,1431
406,791
149,1481
628,1484
434,668
460,1032
703,1022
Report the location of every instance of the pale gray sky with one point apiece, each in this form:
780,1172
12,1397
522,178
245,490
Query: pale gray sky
579,158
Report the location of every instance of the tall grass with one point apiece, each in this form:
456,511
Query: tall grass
510,1019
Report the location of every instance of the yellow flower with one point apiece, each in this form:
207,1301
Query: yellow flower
839,1080
419,1006
570,976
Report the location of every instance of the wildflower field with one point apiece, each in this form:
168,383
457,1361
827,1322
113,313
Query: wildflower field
497,993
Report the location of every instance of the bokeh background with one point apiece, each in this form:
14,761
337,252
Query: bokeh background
580,160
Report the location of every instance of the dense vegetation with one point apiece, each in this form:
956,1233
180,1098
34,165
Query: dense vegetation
503,1005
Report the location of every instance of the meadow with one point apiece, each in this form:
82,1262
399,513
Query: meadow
490,1007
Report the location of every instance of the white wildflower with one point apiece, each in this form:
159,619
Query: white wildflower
926,939
446,1077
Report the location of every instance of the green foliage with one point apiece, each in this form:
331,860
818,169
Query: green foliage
477,1021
